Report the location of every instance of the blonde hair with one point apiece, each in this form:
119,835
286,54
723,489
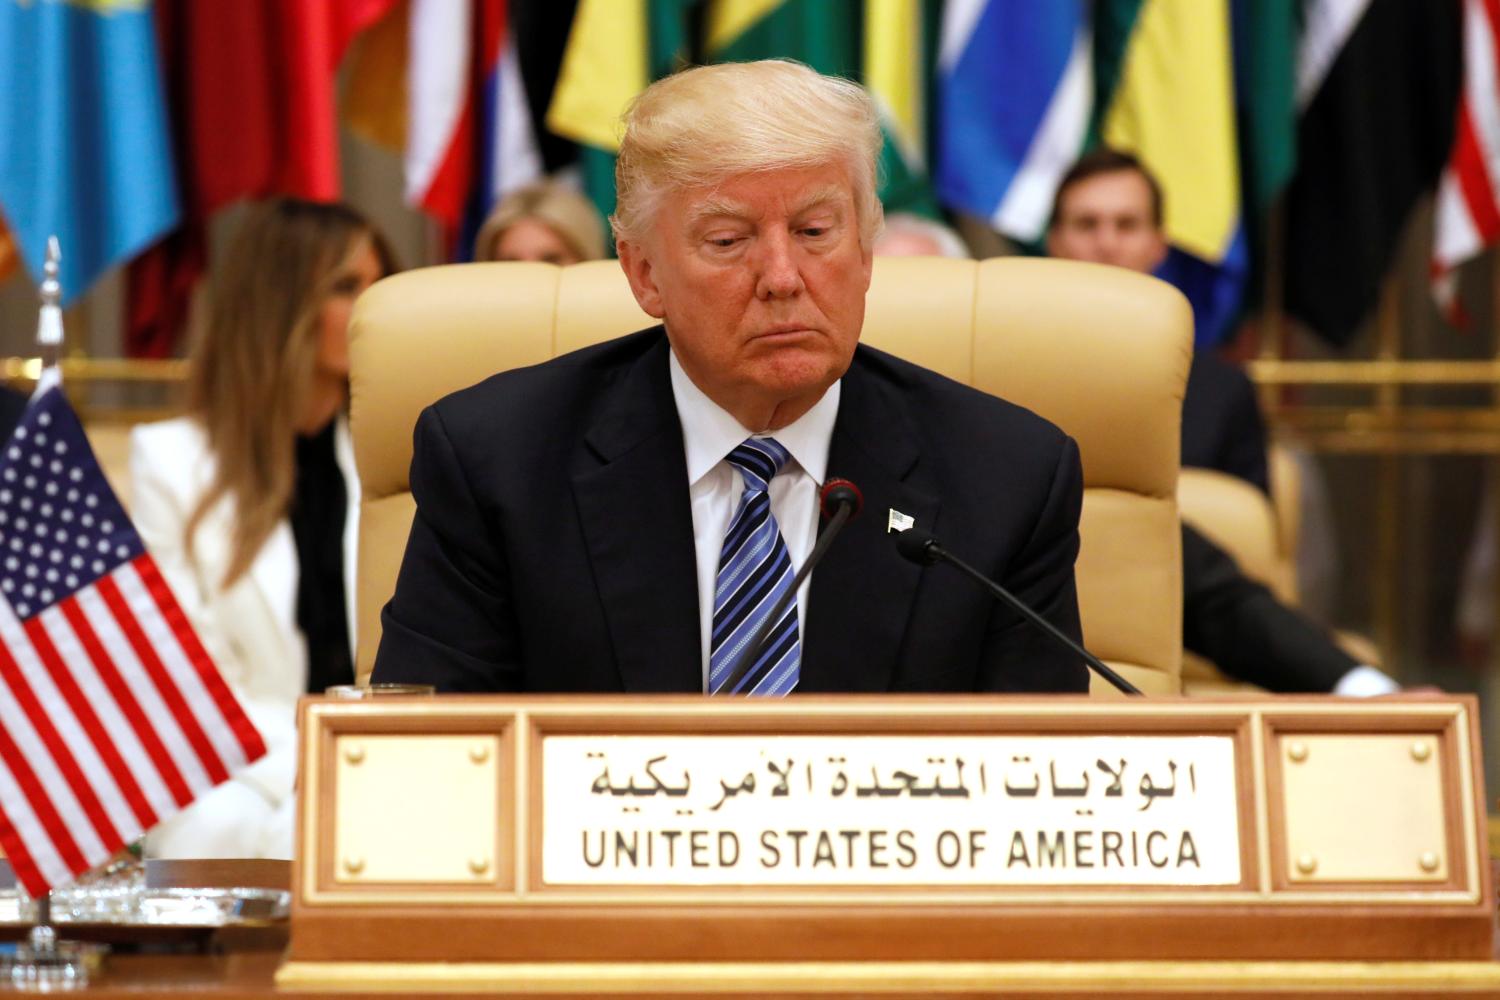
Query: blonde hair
704,125
254,361
566,212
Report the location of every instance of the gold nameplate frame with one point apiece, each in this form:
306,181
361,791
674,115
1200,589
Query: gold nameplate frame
827,829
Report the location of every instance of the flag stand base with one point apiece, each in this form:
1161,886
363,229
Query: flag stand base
43,964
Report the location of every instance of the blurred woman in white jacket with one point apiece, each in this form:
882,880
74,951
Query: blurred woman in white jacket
249,503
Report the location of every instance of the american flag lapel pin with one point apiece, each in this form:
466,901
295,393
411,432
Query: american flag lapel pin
897,521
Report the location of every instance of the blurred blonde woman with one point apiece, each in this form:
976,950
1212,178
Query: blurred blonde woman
546,222
249,502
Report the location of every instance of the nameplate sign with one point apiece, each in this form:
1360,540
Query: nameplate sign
747,810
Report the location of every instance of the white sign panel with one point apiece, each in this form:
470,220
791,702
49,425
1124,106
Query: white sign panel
889,810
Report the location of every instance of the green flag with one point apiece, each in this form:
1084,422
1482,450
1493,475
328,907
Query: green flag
881,43
615,49
1265,63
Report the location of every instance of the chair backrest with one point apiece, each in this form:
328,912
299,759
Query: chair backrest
1100,351
1241,520
1260,532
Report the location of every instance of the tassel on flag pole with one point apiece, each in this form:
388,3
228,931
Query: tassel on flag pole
49,324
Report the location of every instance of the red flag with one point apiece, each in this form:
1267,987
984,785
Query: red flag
9,253
252,88
1468,201
112,715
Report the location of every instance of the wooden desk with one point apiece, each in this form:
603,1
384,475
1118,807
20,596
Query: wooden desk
243,964
250,974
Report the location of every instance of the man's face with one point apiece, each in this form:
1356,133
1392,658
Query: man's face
761,283
1106,219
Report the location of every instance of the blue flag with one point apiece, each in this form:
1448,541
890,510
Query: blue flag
1015,88
85,152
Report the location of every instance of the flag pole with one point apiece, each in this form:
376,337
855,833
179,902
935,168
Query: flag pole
49,322
43,963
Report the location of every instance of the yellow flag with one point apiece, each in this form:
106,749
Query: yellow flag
1174,108
729,19
893,72
603,67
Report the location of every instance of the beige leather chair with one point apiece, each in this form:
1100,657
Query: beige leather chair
1101,351
1261,534
1241,520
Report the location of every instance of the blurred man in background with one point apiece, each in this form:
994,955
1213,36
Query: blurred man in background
1108,209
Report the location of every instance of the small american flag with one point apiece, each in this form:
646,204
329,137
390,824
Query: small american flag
112,715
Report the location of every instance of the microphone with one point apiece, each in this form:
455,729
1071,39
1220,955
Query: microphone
923,549
839,500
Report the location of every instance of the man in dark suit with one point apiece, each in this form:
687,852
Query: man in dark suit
624,518
1108,210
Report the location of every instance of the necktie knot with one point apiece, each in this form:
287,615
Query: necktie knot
759,459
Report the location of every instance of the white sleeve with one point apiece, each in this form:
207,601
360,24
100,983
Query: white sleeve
1365,682
161,504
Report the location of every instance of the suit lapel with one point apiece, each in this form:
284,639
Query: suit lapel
862,592
637,522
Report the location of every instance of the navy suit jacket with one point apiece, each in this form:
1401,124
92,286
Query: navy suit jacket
552,548
1221,423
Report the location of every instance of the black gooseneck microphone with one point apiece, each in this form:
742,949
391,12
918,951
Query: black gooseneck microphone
840,500
922,548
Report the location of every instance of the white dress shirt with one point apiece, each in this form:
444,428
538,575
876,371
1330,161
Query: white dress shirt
709,434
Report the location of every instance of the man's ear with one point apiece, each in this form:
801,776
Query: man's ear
635,261
1160,253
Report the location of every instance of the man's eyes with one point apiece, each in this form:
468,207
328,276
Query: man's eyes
730,241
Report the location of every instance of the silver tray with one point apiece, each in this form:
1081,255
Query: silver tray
174,907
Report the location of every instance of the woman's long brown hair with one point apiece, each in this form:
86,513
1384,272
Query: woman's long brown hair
253,364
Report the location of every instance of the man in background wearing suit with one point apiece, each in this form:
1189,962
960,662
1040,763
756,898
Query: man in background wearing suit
1108,210
622,518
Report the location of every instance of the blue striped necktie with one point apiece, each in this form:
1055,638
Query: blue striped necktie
755,570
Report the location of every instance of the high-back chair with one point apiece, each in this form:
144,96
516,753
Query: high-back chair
1100,351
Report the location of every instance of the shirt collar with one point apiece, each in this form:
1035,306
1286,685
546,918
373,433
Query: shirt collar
709,433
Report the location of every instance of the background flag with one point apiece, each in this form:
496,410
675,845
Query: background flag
1468,199
252,92
1378,81
112,716
470,138
1015,88
615,48
880,43
896,71
373,103
1265,76
86,154
1164,78
9,255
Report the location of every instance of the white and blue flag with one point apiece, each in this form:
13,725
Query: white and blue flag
1015,90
